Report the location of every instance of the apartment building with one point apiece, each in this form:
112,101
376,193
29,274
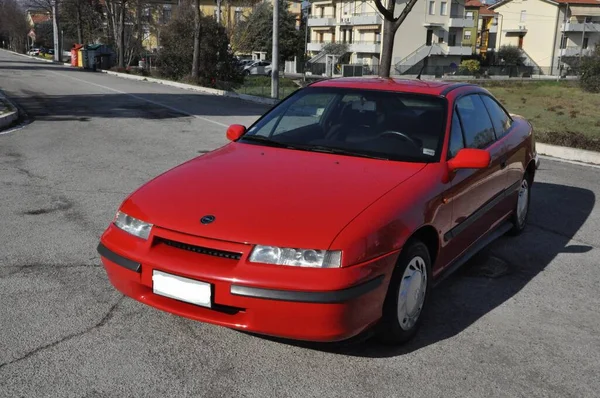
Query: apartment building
436,33
487,32
356,23
552,34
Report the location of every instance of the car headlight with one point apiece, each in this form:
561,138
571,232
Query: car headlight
132,225
296,257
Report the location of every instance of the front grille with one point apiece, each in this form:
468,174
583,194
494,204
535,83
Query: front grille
200,249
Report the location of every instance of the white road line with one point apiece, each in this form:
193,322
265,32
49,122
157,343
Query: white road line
141,99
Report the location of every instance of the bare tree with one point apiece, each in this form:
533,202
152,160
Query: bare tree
390,27
13,25
52,7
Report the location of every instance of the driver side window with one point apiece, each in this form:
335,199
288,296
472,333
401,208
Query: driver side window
457,141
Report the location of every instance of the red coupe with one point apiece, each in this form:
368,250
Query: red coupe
334,214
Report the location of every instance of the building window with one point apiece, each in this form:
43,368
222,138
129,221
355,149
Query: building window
469,15
563,42
467,35
238,16
444,8
432,8
585,43
523,15
166,17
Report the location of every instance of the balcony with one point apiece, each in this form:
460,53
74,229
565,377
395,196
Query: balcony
365,47
590,27
465,49
575,52
316,46
366,19
461,21
324,20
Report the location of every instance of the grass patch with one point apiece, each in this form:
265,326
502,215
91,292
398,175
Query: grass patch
561,113
261,86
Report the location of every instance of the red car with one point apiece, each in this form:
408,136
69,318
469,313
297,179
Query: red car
333,215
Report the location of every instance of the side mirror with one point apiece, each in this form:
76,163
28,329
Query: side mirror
235,131
469,158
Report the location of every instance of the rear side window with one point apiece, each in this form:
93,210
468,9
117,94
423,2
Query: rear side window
476,122
500,118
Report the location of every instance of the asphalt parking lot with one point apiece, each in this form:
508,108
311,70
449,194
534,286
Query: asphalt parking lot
520,320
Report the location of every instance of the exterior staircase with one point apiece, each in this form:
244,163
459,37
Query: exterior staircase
408,62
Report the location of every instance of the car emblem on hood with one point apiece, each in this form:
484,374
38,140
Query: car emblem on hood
207,219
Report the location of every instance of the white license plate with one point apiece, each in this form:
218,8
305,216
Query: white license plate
179,288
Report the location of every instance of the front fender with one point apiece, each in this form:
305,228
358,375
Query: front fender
386,225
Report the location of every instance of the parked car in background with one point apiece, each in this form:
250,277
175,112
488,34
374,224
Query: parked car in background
258,68
34,51
331,216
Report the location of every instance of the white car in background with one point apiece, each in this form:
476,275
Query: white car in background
262,68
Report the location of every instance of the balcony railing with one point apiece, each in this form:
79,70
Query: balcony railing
365,19
575,51
317,46
460,21
322,20
365,47
590,27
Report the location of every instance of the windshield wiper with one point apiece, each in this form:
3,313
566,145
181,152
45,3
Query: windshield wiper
265,140
338,151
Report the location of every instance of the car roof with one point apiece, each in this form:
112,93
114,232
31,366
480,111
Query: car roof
392,84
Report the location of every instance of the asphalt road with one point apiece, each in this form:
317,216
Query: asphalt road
521,319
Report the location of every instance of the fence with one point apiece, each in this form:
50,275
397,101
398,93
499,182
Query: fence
487,71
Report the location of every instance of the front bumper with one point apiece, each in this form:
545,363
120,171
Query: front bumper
295,303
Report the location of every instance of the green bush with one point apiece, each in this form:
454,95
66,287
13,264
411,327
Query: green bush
471,66
590,72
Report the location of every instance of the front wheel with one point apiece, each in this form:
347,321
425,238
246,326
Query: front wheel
521,211
407,295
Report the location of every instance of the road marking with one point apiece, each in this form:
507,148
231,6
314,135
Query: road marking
142,99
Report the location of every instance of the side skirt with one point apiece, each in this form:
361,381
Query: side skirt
484,241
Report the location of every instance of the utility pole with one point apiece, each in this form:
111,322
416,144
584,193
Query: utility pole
57,53
582,39
275,56
305,58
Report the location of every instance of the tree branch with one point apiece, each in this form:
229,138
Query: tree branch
387,14
407,9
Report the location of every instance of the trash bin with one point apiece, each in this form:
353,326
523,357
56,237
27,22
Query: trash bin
80,55
75,55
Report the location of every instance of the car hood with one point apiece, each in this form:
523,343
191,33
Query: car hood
266,195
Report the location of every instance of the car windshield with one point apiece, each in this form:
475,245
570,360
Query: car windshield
356,122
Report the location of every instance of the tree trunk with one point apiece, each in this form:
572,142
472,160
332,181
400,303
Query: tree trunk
122,36
196,56
387,46
79,28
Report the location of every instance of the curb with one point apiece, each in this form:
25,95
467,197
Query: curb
205,90
37,58
7,119
565,153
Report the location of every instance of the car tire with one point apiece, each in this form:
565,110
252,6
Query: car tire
521,211
406,302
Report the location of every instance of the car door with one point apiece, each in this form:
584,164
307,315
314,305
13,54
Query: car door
515,153
475,194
